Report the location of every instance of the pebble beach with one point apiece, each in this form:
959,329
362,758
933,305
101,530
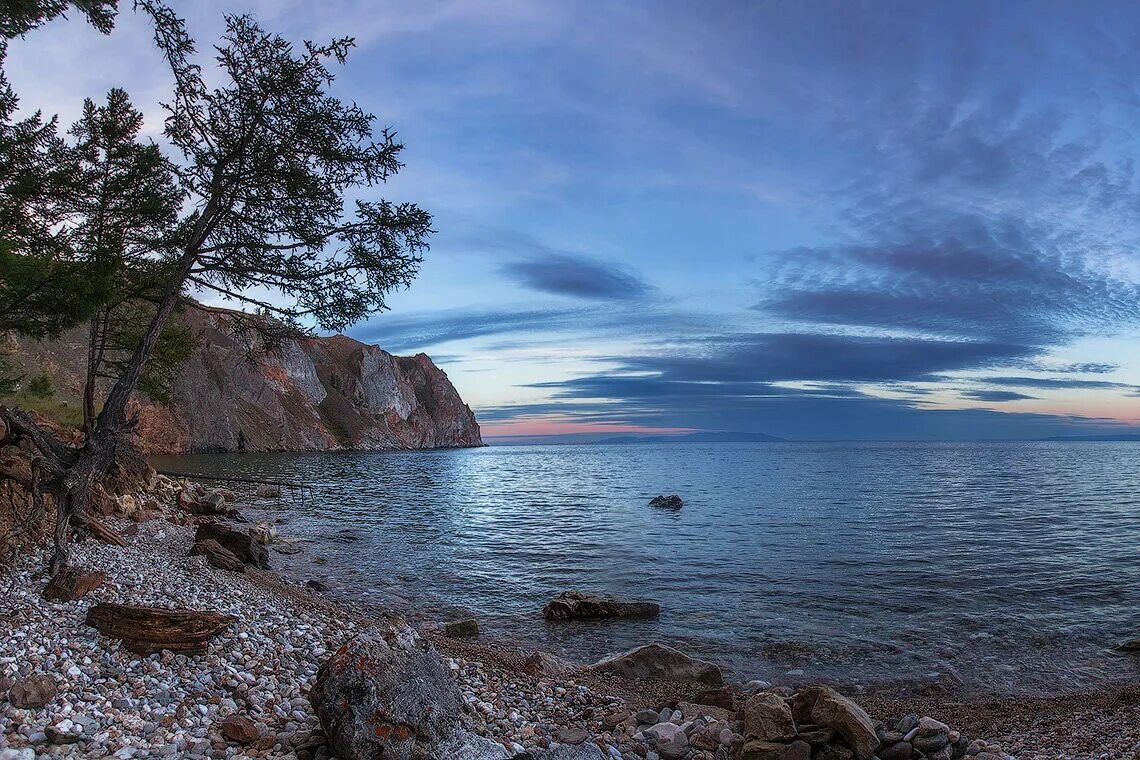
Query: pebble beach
248,695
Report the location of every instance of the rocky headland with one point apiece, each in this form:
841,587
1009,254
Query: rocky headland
173,638
308,394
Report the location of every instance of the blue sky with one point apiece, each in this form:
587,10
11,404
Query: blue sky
814,220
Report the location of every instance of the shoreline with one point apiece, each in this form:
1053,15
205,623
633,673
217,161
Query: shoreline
264,665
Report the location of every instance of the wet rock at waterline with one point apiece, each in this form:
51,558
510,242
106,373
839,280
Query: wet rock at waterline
576,605
461,628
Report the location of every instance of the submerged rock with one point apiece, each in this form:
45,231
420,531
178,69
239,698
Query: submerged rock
461,628
661,663
386,693
672,501
576,605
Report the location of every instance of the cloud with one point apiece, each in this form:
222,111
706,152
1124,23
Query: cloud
1056,383
995,396
418,331
577,276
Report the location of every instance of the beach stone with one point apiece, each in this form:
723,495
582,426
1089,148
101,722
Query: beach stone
218,556
758,749
239,729
56,735
571,735
464,745
722,698
71,583
692,711
660,662
238,542
896,751
674,747
907,724
587,751
576,605
461,628
767,717
928,725
797,750
672,501
928,744
833,710
386,693
813,734
546,664
33,691
646,717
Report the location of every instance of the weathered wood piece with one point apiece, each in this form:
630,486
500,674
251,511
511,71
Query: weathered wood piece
218,555
100,530
71,583
145,630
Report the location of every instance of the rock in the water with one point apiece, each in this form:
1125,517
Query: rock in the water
240,543
546,664
239,729
71,583
268,491
144,630
33,691
316,587
218,555
672,501
833,710
659,662
386,693
575,605
1132,645
461,628
767,717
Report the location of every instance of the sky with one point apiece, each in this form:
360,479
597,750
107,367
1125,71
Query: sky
824,220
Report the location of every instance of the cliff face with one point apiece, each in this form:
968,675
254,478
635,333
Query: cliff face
314,394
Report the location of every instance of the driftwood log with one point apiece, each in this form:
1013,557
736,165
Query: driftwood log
99,529
145,630
218,555
71,583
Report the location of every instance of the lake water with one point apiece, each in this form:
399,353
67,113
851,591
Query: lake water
972,567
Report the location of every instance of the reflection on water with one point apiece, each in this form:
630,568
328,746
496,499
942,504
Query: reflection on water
1003,567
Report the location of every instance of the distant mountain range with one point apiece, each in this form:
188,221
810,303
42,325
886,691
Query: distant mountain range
703,437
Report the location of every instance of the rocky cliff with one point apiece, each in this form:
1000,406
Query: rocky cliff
313,394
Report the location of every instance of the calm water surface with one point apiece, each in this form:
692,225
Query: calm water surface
1011,567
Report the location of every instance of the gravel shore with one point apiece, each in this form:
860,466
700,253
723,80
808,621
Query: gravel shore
111,703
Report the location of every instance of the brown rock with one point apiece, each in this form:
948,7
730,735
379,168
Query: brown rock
722,697
797,750
661,663
571,735
756,749
692,711
144,630
833,710
461,628
33,691
546,664
239,729
896,751
614,719
767,717
71,583
218,555
575,605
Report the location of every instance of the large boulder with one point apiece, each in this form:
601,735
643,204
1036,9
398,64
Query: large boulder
662,663
767,717
386,694
575,605
831,709
238,542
